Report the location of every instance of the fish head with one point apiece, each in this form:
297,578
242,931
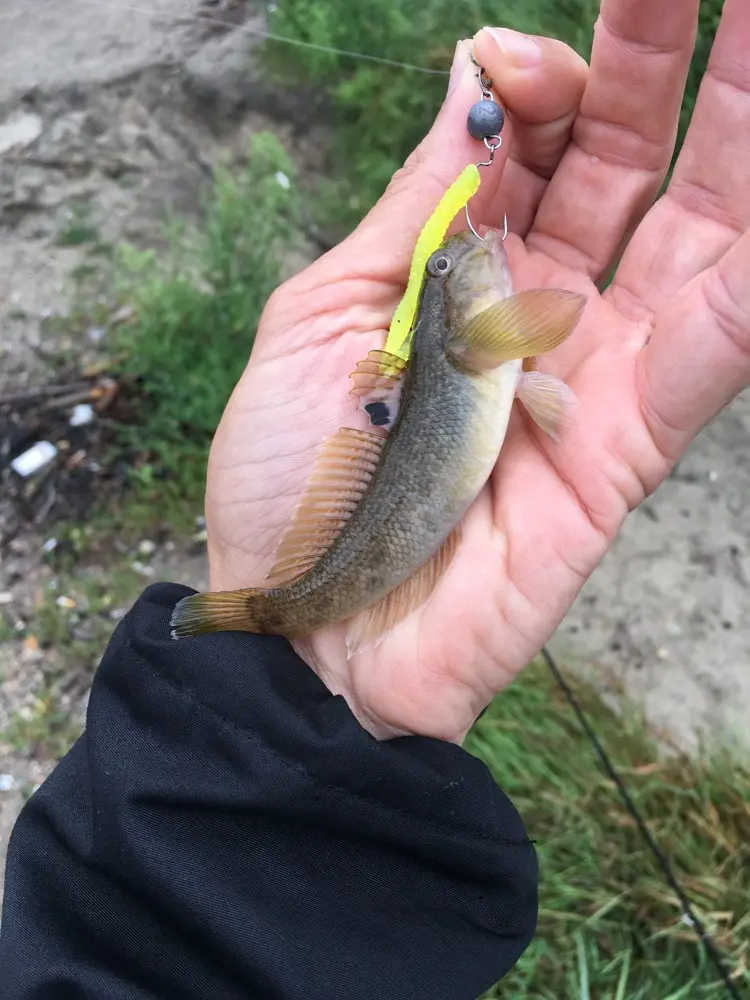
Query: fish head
475,275
484,324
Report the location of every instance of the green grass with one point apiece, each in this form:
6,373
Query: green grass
196,309
72,636
45,730
381,113
610,927
78,228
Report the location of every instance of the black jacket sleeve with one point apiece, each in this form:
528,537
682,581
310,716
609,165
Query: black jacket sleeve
225,829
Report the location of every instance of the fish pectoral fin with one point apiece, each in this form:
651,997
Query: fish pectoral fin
517,327
548,400
371,626
378,381
342,472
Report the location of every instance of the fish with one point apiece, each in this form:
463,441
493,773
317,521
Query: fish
380,521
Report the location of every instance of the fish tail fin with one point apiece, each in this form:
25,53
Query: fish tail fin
225,611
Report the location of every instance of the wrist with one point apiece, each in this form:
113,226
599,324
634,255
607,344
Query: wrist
391,699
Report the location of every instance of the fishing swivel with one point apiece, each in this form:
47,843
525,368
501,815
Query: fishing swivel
485,122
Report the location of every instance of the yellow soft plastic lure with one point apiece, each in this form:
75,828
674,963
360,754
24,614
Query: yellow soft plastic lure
458,195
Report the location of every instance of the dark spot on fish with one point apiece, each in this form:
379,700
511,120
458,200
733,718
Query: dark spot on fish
380,415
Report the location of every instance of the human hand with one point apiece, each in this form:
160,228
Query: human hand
655,357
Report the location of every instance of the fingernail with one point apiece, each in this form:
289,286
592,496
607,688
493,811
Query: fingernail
520,50
460,62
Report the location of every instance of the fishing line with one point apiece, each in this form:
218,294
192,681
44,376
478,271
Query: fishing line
330,49
690,917
269,35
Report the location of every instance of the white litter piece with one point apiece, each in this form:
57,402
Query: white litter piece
283,180
7,782
82,414
6,597
19,131
38,457
142,570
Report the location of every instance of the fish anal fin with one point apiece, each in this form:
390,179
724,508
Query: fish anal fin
372,624
520,326
343,469
378,382
547,400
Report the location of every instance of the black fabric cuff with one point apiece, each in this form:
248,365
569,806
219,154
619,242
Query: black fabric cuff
226,829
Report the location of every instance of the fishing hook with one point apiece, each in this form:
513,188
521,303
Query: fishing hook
492,143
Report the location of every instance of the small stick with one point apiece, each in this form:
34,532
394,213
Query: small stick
31,395
87,395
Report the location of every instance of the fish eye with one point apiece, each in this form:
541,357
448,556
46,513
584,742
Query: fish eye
440,266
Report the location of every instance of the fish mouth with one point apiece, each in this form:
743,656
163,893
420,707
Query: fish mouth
492,242
473,253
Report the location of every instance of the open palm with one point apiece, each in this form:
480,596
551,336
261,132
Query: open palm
655,357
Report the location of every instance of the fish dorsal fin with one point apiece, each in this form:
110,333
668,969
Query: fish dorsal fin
378,381
343,469
520,326
372,624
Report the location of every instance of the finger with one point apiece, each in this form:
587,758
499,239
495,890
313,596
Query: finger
698,357
707,203
624,135
540,82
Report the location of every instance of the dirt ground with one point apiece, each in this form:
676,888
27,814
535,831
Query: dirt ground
110,113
